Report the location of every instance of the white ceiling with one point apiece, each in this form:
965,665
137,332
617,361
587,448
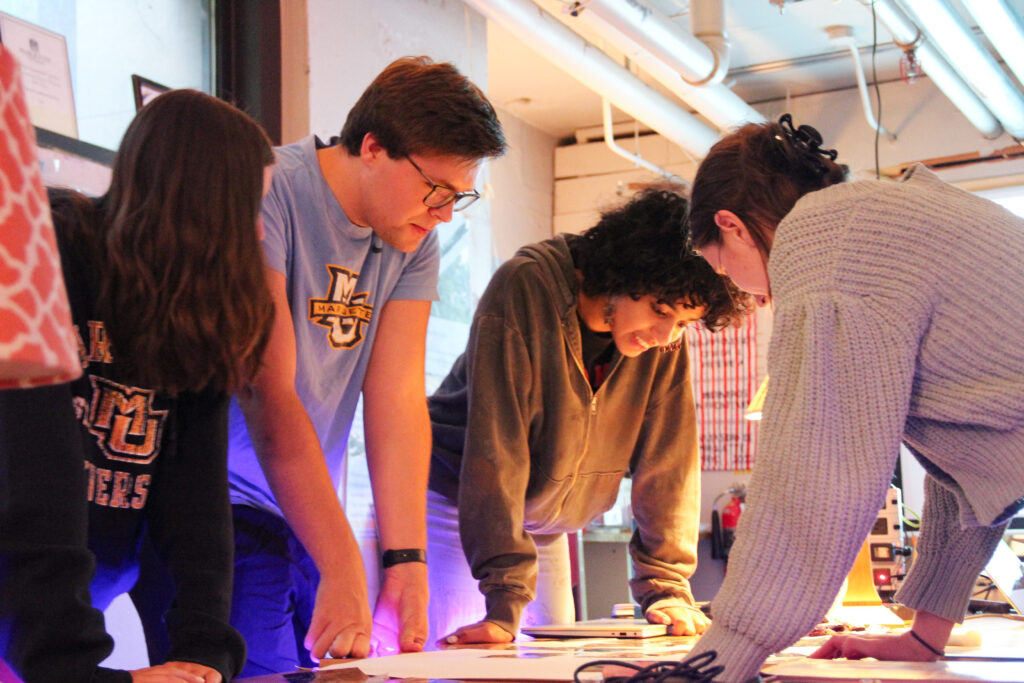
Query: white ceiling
774,54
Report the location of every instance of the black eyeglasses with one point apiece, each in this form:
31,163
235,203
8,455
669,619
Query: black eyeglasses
440,196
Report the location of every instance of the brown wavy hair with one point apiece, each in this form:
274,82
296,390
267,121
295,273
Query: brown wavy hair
181,284
758,173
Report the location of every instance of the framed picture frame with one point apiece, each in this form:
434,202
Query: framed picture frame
45,73
146,90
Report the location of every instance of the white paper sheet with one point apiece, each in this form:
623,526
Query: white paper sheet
949,671
472,664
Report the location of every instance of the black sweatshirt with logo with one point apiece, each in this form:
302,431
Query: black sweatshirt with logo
87,468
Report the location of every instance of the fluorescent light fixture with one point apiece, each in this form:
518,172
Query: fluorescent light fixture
945,78
972,61
1003,28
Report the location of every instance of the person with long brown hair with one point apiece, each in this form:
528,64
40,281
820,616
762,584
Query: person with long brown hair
898,318
170,304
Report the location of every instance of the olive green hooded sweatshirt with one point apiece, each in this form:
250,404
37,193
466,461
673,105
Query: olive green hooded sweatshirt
522,444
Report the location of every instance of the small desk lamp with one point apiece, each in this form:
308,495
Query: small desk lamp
753,411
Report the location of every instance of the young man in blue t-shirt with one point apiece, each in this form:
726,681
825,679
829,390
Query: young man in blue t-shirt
352,266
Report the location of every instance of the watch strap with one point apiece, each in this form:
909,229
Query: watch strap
393,557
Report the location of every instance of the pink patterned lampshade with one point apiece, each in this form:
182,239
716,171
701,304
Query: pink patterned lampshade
37,344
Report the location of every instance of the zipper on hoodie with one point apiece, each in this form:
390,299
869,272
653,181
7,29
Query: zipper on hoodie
586,437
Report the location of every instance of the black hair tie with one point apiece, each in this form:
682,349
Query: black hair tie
806,140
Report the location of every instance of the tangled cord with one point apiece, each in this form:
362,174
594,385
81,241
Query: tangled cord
697,668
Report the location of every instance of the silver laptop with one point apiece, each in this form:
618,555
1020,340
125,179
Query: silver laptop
599,628
1004,568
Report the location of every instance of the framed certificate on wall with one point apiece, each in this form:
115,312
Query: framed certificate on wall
45,73
146,90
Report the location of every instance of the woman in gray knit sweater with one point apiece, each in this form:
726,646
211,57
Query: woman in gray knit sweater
898,317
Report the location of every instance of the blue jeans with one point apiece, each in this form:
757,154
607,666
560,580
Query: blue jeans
274,594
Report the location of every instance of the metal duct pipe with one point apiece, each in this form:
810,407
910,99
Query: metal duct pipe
1003,28
905,32
843,35
636,158
707,24
973,62
696,62
717,103
598,71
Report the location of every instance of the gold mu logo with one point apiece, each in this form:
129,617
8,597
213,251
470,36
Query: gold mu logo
123,420
344,312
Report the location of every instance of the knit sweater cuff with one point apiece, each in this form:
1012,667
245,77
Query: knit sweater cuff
956,577
741,657
505,608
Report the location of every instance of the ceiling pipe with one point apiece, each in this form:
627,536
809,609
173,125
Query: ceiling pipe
724,108
637,159
599,72
977,66
975,63
696,62
707,24
1003,28
945,78
843,36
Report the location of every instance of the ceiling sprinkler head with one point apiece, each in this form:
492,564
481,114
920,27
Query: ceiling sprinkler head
781,4
840,35
910,66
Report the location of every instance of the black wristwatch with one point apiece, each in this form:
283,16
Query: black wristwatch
393,557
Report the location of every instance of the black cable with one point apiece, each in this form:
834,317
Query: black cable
878,91
697,668
985,591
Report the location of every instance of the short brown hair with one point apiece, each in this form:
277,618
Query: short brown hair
758,174
416,106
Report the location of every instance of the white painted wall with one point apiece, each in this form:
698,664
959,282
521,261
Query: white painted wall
522,186
351,41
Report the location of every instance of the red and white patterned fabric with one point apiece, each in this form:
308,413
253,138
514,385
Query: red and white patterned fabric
724,369
37,345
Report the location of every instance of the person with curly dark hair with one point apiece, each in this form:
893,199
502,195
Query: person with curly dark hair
573,377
